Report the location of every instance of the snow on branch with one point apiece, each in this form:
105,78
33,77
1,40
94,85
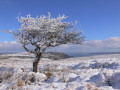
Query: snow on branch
45,31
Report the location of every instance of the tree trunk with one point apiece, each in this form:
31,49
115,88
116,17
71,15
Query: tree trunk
38,56
35,63
35,66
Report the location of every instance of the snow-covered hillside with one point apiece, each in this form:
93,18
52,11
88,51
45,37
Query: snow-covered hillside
100,72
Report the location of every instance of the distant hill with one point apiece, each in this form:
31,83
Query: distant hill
25,55
90,54
55,55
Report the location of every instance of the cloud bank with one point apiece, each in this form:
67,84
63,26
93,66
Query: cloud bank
11,47
107,45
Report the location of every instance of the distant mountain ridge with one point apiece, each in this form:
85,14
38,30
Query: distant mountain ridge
57,55
90,54
25,55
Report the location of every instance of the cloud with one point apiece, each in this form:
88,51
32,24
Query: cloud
107,45
12,42
113,42
12,46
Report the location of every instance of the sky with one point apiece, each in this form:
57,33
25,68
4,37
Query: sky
99,20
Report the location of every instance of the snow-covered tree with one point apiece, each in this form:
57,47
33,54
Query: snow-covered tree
44,32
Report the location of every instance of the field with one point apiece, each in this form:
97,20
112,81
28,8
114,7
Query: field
100,72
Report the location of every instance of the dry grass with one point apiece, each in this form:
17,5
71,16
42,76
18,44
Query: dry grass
48,74
88,86
96,89
20,83
7,74
40,71
65,71
91,87
28,82
14,87
64,79
23,69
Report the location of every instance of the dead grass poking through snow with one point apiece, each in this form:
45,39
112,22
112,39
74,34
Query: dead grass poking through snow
28,82
20,83
48,73
91,87
88,86
65,71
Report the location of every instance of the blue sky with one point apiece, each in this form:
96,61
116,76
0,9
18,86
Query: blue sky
99,19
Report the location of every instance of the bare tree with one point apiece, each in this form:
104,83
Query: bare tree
44,32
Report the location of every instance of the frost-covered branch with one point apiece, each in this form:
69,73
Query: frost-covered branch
45,31
30,51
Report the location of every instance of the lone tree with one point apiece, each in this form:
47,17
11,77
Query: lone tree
44,32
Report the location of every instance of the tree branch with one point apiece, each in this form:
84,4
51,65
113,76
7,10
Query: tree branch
43,50
30,51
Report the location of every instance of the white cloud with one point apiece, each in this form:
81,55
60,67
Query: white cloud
10,42
12,46
5,41
111,43
107,45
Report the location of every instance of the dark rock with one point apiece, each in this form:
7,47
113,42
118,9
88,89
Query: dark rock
1,80
25,77
33,79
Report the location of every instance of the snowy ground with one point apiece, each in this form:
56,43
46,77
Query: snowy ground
100,72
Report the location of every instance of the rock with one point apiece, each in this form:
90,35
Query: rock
1,80
24,77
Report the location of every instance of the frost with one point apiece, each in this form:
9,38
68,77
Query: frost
45,32
84,73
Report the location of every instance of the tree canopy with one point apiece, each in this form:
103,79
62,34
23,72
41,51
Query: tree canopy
45,31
